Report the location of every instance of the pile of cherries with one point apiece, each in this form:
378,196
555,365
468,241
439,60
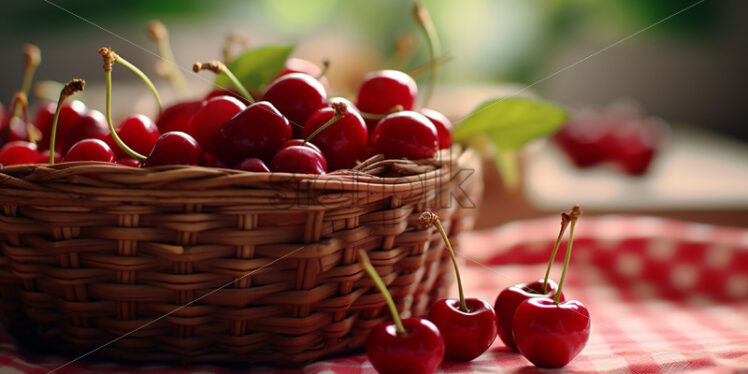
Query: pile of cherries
619,135
294,128
532,318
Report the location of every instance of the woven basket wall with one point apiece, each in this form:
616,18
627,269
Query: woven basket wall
92,252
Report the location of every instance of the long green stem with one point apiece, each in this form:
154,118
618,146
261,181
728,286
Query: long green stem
463,305
564,222
70,88
382,289
575,212
427,26
341,109
115,136
142,76
218,67
429,66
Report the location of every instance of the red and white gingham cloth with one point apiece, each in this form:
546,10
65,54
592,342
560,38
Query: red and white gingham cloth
664,296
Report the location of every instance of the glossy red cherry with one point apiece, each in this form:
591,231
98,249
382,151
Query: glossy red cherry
175,148
206,123
466,334
90,150
138,132
550,335
343,142
257,131
70,113
298,159
509,299
44,157
176,117
129,162
297,96
419,350
443,126
405,134
91,125
19,152
253,164
384,89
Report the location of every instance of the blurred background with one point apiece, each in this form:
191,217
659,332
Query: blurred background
684,68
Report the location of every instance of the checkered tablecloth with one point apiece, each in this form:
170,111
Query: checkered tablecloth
664,296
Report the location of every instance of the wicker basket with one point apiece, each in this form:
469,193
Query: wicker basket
191,264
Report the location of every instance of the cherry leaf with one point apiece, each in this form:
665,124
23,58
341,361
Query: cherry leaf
256,67
509,123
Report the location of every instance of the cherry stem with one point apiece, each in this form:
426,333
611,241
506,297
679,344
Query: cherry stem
234,37
429,219
405,46
158,32
325,68
382,289
19,99
32,57
429,66
115,136
218,67
574,214
564,222
375,116
110,58
423,19
341,109
70,88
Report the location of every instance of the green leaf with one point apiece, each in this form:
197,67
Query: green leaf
256,67
511,122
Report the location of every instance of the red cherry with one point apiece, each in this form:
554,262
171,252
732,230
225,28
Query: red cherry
550,335
257,131
384,89
175,148
129,162
343,142
206,123
510,298
298,159
19,152
138,132
419,350
177,116
466,334
44,157
443,126
90,150
297,96
70,113
92,125
253,164
292,142
17,129
405,134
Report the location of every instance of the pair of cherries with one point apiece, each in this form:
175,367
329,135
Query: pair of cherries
457,329
535,319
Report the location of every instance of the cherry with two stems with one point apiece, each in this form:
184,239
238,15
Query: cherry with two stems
550,332
138,131
509,298
408,346
468,325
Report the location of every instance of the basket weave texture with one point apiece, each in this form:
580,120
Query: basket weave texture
192,264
